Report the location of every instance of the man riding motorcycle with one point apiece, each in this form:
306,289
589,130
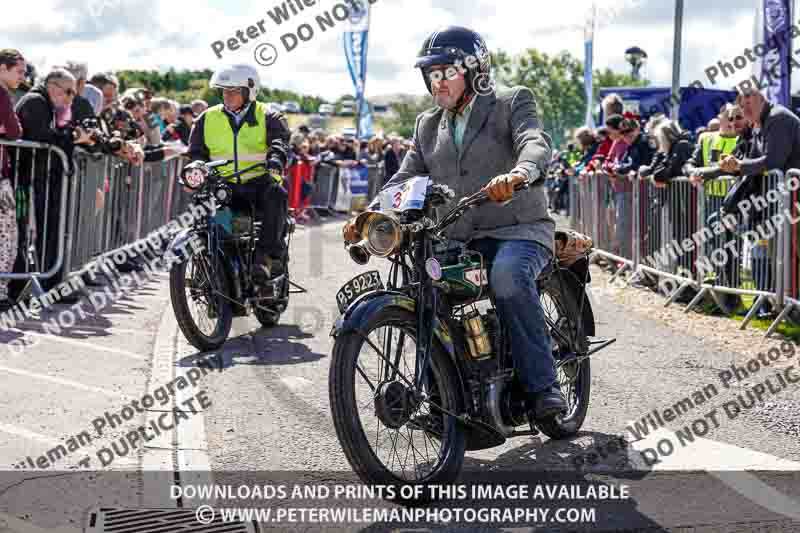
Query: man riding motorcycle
247,132
479,137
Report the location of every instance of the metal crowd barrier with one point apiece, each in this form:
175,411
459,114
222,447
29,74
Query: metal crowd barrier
326,185
111,205
139,200
43,198
375,178
676,233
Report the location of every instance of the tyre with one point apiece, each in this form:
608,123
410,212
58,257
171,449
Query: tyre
372,405
201,309
268,318
562,306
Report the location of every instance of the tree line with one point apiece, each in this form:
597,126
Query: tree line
556,81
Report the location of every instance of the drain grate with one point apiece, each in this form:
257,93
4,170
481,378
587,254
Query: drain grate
119,520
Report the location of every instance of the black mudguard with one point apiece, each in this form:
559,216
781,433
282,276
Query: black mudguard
360,313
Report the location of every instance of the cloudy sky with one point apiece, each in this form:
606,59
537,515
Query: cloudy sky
158,34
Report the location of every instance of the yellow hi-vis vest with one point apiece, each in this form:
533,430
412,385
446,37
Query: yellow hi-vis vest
246,147
725,146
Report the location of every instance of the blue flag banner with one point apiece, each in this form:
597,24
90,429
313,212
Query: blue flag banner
355,51
776,73
588,81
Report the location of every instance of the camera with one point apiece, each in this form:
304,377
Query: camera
91,126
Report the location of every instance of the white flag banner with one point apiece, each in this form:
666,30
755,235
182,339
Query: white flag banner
358,20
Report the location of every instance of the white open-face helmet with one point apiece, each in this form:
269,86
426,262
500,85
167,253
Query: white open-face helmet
243,76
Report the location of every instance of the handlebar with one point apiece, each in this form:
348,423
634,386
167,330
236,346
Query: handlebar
469,202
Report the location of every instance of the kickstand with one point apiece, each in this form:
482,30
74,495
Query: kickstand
300,289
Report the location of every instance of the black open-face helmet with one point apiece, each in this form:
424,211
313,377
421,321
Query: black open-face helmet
455,45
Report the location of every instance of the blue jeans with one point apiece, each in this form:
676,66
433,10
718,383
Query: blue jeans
513,269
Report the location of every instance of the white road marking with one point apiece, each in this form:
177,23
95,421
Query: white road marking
82,344
61,381
79,326
157,458
296,383
702,454
194,464
30,435
185,449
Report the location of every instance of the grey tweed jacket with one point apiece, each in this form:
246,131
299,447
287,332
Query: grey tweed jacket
503,134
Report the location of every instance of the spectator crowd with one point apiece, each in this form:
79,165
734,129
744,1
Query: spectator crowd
747,138
67,108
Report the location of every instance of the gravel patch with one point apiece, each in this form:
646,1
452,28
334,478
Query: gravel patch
779,416
710,331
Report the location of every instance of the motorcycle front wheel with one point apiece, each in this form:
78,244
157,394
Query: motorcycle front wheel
198,299
389,436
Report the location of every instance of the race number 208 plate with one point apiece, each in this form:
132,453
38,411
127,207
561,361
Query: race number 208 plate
356,287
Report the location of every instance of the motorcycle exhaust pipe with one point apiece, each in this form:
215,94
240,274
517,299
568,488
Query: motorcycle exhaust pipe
359,254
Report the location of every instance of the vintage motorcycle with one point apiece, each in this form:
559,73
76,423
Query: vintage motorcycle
421,370
210,287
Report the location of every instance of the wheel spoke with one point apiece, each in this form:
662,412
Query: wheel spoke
409,452
364,375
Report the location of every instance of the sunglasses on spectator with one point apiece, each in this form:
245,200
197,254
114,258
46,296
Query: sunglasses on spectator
738,117
69,91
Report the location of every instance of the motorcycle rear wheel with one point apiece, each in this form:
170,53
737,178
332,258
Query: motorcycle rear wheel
562,306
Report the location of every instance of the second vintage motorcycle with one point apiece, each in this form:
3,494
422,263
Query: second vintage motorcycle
210,287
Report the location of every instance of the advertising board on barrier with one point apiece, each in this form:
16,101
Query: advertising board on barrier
343,194
359,186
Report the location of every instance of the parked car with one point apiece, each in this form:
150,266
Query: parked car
348,109
326,109
291,107
274,107
317,122
349,133
380,108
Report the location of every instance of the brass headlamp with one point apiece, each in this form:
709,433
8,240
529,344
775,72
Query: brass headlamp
381,236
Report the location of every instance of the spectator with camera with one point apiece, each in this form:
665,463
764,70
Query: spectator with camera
138,101
12,74
81,108
180,129
778,140
40,112
774,145
107,84
199,107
